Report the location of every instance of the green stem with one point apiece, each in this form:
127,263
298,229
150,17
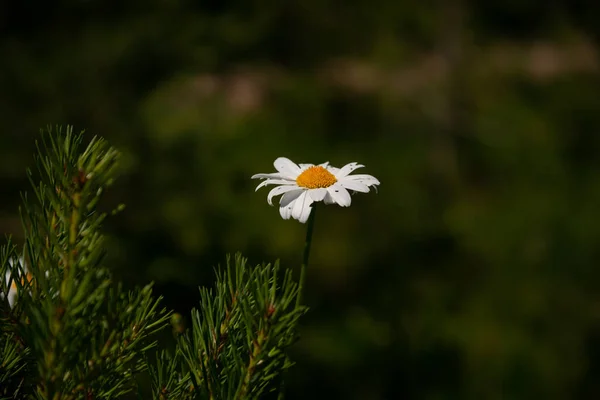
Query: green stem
307,243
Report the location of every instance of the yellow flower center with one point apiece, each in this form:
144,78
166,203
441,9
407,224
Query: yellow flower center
316,177
27,278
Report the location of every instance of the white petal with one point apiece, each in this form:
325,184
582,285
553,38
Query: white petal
287,167
298,204
275,182
333,170
317,194
274,175
305,213
339,195
354,185
328,199
286,211
302,206
365,179
347,169
279,190
12,297
305,166
289,197
324,165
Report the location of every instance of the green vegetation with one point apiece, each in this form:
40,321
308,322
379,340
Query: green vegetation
69,332
471,274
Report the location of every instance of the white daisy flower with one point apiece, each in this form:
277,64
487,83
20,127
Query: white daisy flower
12,290
303,184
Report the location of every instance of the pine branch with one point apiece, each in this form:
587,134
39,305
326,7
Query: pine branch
69,332
237,343
167,379
15,358
84,333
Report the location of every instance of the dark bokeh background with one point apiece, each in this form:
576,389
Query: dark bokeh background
472,274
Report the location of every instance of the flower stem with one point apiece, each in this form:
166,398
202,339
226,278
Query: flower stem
307,243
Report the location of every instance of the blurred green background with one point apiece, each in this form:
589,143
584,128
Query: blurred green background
472,274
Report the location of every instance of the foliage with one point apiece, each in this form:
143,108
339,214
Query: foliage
71,332
236,346
79,334
470,275
236,349
16,362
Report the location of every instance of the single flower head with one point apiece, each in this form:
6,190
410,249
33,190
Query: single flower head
303,184
12,289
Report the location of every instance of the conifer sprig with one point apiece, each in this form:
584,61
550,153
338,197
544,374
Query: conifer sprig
85,334
167,379
236,348
16,363
67,331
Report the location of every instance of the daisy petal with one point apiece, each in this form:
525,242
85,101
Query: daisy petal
333,170
286,211
317,194
354,185
368,180
287,167
328,199
347,169
305,166
340,195
274,175
275,182
279,190
301,205
305,212
289,197
298,204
